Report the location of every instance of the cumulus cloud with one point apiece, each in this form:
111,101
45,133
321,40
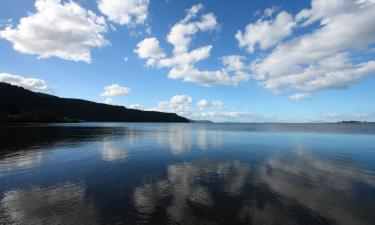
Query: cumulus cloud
129,12
270,11
326,57
182,63
202,104
184,105
300,96
64,30
135,106
233,63
266,33
115,90
331,72
179,104
192,12
5,22
33,84
149,49
217,103
324,10
108,101
182,33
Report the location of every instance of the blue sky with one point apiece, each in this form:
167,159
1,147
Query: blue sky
248,61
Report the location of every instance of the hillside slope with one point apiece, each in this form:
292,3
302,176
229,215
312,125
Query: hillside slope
19,101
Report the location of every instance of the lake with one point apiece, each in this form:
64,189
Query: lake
139,173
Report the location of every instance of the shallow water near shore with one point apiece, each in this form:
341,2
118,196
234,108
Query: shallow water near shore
139,173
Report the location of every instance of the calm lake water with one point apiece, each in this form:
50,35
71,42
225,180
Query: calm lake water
127,173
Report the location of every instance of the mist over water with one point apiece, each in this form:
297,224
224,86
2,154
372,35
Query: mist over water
134,173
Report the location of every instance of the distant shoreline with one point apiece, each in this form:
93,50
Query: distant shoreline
202,123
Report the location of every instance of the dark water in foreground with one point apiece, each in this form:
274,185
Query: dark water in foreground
187,174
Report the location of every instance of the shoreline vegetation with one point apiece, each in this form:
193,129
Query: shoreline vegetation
19,105
353,122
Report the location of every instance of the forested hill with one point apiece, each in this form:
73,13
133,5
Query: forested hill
21,105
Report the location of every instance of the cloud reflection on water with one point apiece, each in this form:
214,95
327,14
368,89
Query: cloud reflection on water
186,185
177,138
110,153
302,188
181,140
326,187
21,161
64,203
185,174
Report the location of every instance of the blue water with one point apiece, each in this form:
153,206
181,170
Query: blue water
134,173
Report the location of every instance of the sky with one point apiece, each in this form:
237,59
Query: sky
239,61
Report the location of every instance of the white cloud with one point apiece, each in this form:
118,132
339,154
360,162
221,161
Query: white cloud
208,77
333,72
324,10
182,33
181,99
323,58
126,59
148,30
202,104
266,33
179,104
135,106
108,101
125,12
300,96
182,63
257,117
192,12
338,116
33,84
149,49
115,90
217,103
233,63
270,11
64,30
185,59
5,22
184,105
113,27
238,116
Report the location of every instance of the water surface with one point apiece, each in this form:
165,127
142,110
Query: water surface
128,173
